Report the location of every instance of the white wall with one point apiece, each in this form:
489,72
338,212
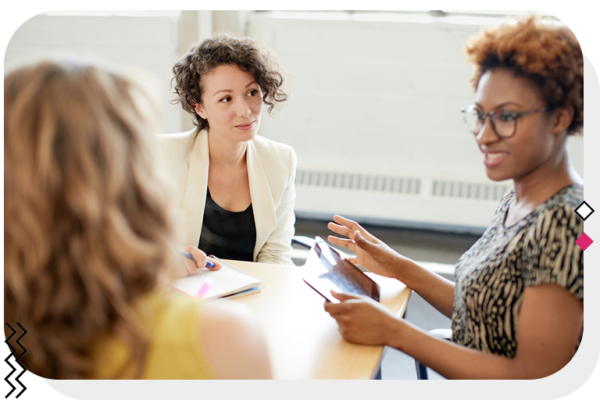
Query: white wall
381,99
149,43
373,106
376,95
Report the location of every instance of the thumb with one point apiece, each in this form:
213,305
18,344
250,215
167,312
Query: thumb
342,296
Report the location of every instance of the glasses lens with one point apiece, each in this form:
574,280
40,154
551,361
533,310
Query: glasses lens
504,123
473,120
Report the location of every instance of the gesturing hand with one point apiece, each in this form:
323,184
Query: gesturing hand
371,253
361,319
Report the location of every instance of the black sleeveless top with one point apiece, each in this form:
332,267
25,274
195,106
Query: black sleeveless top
227,234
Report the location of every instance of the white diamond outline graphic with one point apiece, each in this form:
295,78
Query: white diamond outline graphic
589,209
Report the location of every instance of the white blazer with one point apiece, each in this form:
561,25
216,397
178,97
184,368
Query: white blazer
271,173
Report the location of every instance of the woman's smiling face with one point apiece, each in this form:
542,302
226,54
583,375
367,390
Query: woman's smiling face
231,103
536,141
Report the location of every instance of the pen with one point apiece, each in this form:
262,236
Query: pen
205,286
188,255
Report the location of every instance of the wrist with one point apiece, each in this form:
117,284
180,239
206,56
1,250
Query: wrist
402,268
394,332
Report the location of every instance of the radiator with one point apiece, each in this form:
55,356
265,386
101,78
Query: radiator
427,202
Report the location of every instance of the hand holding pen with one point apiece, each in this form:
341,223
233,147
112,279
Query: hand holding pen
194,259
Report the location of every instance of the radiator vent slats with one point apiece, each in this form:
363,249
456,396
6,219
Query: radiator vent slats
370,183
401,184
468,190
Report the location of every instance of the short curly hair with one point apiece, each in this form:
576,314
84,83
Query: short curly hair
247,53
548,56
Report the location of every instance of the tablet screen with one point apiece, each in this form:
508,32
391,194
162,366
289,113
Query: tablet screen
325,270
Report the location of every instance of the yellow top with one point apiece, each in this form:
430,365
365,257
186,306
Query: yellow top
172,323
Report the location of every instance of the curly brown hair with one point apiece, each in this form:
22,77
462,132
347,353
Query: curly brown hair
87,229
548,56
247,53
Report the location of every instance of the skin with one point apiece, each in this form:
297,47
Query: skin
233,343
235,347
551,319
537,162
230,100
189,267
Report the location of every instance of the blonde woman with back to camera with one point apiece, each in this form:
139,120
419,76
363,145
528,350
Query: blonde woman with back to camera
89,239
234,189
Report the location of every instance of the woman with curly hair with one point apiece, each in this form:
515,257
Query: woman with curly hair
88,233
517,304
234,189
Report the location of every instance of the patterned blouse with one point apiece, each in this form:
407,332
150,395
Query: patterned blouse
492,275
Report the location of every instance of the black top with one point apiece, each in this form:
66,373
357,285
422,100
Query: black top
227,234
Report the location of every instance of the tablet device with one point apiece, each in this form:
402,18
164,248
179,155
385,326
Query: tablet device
325,270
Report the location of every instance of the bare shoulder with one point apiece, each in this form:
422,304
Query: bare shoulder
227,315
234,343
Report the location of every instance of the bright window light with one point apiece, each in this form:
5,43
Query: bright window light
393,17
485,18
326,15
487,12
117,13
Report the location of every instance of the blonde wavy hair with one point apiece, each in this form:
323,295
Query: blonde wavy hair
87,229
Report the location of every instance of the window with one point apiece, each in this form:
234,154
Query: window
112,13
425,16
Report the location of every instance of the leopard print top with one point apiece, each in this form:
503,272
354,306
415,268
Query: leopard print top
492,275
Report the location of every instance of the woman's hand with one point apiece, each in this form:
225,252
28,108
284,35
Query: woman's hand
371,253
190,267
361,319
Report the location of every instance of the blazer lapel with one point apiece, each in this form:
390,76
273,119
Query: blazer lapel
194,201
263,205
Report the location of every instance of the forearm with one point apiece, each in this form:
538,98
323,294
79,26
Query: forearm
452,360
436,290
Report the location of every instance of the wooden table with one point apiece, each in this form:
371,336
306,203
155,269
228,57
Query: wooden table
303,340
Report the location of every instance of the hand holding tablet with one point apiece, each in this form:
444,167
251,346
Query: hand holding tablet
325,270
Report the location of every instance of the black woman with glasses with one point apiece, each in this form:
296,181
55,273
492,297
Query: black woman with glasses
517,304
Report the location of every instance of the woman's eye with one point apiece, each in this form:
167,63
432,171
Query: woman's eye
225,99
253,92
506,116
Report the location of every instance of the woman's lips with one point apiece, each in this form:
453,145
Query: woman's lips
493,159
245,127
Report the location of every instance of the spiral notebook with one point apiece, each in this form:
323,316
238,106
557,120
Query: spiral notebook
228,282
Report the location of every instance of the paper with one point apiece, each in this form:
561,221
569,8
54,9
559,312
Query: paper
226,281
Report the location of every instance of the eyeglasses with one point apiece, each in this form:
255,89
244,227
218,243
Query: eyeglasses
504,122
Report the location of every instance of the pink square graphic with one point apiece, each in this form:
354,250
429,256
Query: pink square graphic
584,241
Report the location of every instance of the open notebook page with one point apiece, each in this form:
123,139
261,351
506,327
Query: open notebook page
228,280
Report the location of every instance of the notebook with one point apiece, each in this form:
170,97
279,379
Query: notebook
228,282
